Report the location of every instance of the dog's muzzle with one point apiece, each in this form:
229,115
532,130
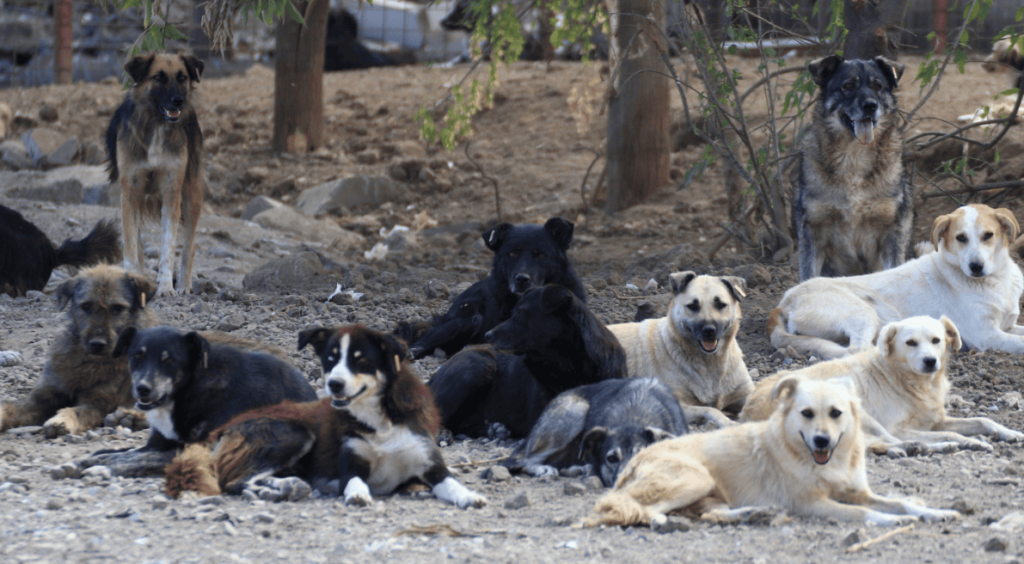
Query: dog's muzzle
339,402
707,336
171,115
819,445
97,347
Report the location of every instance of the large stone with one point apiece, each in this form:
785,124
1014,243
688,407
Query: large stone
41,142
331,197
65,155
67,191
259,204
286,272
284,218
14,155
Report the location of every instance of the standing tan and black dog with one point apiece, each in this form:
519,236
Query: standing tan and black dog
82,382
155,148
852,200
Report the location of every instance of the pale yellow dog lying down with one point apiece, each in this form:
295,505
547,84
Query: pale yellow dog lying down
903,385
807,458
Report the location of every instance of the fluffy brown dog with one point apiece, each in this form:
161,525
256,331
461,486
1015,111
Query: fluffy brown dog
155,148
82,383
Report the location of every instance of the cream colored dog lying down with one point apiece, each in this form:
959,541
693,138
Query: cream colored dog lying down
902,384
969,277
807,458
693,350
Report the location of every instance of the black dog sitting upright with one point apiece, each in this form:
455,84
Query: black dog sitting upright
525,257
189,385
550,344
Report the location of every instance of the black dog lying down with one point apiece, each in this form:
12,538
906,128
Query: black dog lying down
190,384
525,257
601,425
374,434
27,257
552,343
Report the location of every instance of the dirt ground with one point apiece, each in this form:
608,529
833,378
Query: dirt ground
527,142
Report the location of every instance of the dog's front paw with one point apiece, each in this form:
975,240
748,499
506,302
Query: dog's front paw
896,452
974,444
939,515
64,423
1010,436
357,493
889,520
541,470
165,289
10,358
278,489
472,499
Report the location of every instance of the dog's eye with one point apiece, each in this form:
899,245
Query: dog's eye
911,343
160,77
986,236
876,86
719,304
540,256
693,306
808,413
835,413
138,356
513,254
935,340
613,457
182,77
117,309
86,307
850,85
962,238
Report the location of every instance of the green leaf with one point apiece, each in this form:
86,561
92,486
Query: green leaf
173,33
960,57
1019,15
1011,92
995,157
293,13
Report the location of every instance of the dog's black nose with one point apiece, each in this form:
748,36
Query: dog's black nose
335,387
929,363
976,268
709,332
522,280
178,101
870,106
97,346
142,391
821,442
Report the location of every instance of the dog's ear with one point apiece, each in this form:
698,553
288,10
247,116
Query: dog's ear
198,351
953,340
138,67
892,70
736,286
193,65
887,338
66,292
318,336
592,441
1009,223
140,288
679,281
940,229
124,340
654,434
822,69
494,237
785,387
561,231
555,297
391,348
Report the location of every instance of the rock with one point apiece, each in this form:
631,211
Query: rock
327,232
231,323
574,489
961,506
755,275
53,503
411,149
331,197
93,154
259,204
264,518
255,175
518,502
594,484
14,155
995,544
101,472
65,155
48,113
407,170
435,289
669,524
41,141
286,272
67,191
368,157
851,539
498,474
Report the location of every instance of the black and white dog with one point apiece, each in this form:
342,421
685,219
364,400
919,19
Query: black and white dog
852,200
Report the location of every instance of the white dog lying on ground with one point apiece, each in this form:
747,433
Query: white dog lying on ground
969,278
902,384
807,458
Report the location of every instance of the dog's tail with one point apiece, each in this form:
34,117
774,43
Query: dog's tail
192,470
620,508
806,345
103,244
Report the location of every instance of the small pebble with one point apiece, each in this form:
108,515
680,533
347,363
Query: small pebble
518,502
498,474
574,489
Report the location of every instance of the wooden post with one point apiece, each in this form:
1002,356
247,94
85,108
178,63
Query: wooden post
299,80
874,27
638,113
63,26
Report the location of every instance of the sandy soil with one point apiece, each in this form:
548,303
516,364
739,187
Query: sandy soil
526,142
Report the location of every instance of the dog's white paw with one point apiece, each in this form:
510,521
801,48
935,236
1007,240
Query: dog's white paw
541,470
11,358
889,520
453,492
896,452
973,444
164,290
1010,436
357,493
939,515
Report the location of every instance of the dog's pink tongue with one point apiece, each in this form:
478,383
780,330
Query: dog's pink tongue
865,131
822,456
174,113
709,345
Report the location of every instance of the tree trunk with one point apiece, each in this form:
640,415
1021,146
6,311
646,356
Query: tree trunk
198,42
638,113
63,31
299,80
873,27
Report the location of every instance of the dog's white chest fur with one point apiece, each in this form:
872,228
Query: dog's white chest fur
160,420
394,455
